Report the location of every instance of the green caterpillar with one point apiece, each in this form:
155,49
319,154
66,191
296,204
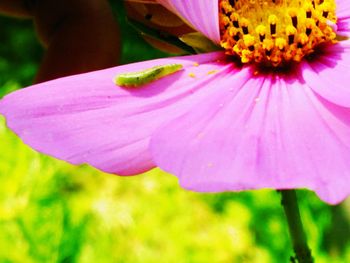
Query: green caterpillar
139,78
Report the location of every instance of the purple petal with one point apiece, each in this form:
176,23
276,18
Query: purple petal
257,132
343,14
343,9
343,27
88,119
202,15
328,73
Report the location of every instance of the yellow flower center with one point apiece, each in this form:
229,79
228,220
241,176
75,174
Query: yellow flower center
275,32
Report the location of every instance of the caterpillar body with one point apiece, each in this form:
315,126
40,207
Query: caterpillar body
139,78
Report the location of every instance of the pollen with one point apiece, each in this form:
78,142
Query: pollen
212,72
275,32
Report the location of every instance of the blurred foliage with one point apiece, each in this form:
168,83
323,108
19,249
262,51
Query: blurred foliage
20,54
51,211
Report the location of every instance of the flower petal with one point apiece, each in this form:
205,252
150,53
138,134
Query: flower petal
328,73
88,119
202,15
343,9
343,14
257,133
343,28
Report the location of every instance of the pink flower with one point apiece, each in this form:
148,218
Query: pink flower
216,125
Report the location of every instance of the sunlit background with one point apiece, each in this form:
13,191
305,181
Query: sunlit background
51,211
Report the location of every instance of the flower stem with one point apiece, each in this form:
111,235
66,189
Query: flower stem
296,230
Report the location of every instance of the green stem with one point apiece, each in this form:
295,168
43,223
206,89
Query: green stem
296,230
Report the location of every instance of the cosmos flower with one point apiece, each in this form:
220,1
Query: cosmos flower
272,110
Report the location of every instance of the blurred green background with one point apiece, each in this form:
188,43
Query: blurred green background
51,211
